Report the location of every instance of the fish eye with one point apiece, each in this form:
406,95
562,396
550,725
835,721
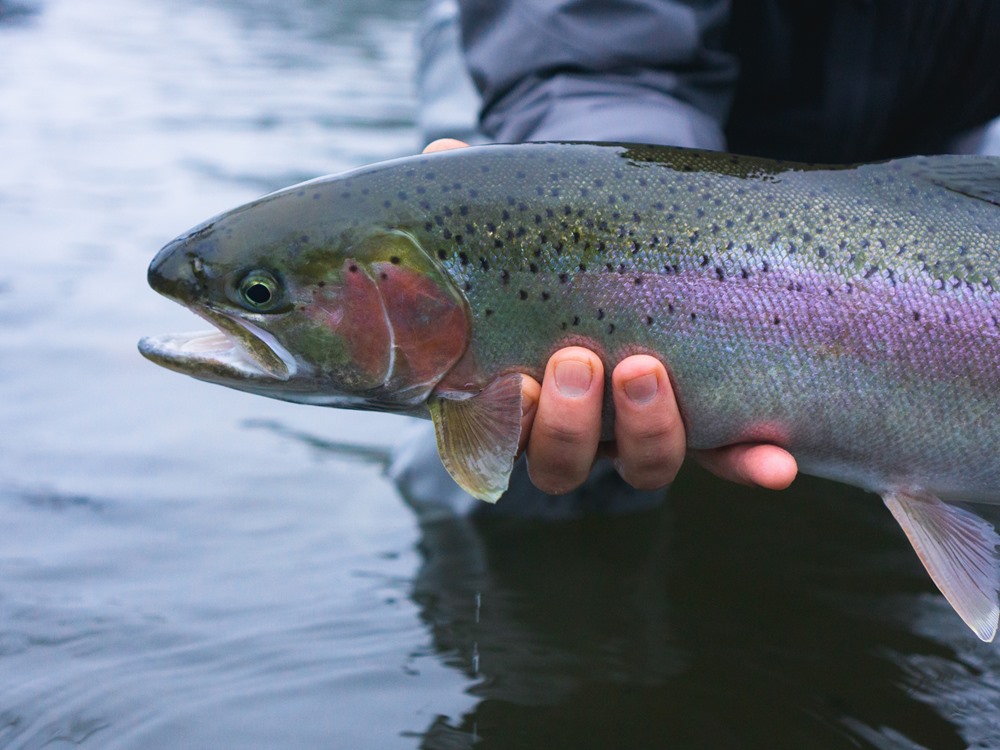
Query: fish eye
259,291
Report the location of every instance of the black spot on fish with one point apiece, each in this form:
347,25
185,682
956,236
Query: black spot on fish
353,269
719,273
321,284
694,316
442,254
611,328
563,278
545,296
504,276
777,320
576,320
488,312
649,320
600,314
463,258
533,267
670,307
394,260
522,294
916,315
484,264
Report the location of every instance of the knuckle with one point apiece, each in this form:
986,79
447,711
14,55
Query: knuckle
658,433
562,434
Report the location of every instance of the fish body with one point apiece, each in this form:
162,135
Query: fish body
846,313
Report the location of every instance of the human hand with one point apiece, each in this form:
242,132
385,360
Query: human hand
561,428
561,424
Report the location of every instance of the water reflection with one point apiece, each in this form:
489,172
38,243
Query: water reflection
727,618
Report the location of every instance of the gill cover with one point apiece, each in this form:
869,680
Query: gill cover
396,320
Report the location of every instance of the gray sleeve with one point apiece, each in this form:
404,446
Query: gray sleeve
651,71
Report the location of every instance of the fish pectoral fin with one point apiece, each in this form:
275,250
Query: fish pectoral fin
477,437
959,550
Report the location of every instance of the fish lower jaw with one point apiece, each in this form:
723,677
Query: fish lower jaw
210,355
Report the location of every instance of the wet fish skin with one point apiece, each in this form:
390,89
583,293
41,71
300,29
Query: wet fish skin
845,313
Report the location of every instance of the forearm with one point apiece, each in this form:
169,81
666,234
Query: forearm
648,70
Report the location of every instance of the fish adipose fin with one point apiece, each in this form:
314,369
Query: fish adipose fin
477,437
959,550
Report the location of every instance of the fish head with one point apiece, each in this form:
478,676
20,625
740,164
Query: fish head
310,309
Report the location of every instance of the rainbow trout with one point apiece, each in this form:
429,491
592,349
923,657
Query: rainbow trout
848,314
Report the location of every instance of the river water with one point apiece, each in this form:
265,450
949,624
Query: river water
183,566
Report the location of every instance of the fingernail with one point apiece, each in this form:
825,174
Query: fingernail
642,390
573,377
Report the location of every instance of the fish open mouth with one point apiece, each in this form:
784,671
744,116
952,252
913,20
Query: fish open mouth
235,350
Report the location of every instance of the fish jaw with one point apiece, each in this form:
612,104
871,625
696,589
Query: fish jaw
237,353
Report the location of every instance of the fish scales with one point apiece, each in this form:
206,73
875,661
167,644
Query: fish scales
816,277
846,313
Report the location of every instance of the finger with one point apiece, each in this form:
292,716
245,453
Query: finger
530,391
567,424
649,433
755,464
444,144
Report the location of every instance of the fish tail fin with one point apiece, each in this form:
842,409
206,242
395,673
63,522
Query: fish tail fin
959,550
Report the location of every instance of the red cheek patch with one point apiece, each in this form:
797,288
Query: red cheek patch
430,322
353,311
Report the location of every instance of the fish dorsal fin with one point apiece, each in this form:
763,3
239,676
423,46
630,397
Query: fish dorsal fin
975,176
477,437
959,550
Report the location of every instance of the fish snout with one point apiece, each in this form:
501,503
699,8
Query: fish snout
177,271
